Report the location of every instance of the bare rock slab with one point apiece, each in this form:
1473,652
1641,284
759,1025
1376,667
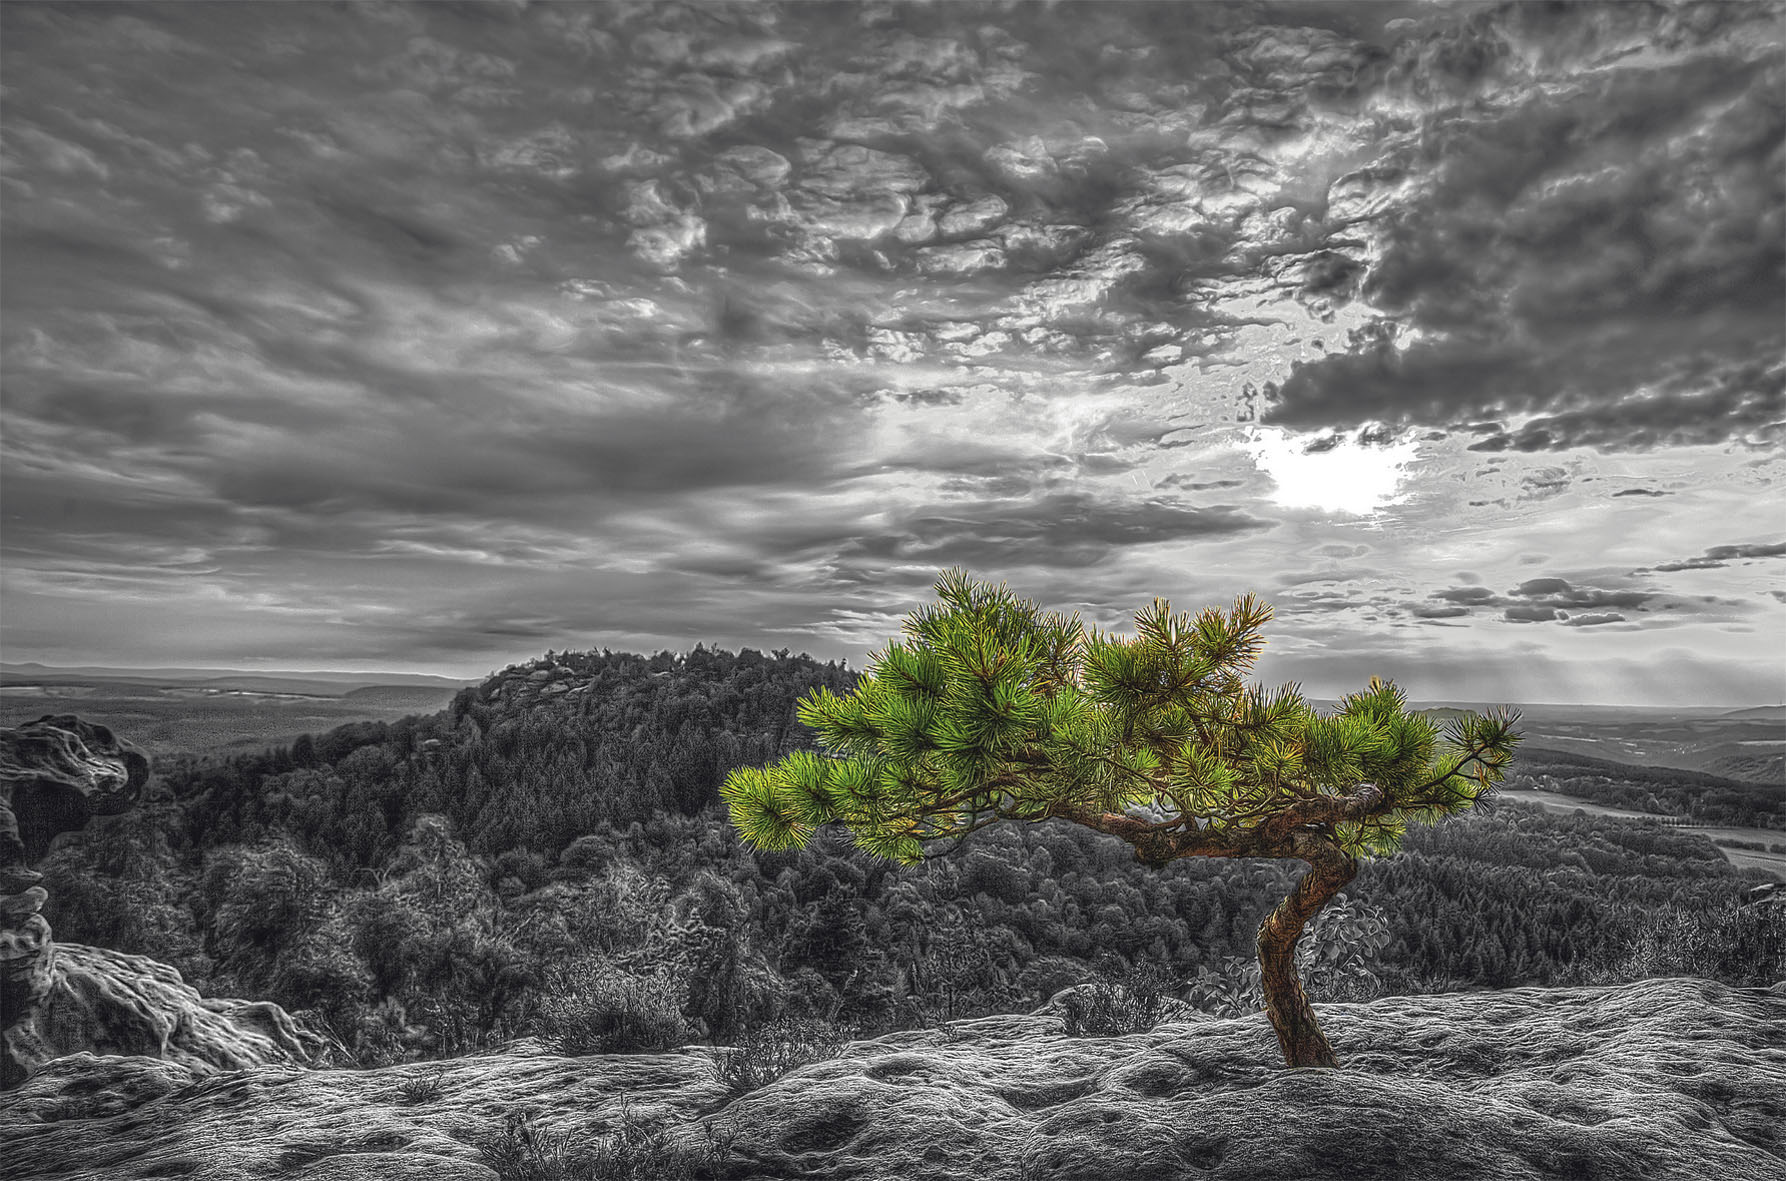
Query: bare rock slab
1664,1079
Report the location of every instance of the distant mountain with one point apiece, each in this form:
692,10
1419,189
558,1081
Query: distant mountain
1761,713
317,684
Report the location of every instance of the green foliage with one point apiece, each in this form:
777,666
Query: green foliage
769,1051
991,709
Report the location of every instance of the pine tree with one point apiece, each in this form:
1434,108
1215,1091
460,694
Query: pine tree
990,710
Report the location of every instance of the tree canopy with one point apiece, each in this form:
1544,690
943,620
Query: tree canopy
991,709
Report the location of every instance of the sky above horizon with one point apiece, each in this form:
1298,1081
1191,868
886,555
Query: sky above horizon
429,338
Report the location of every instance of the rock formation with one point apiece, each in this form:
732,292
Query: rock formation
1661,1079
55,774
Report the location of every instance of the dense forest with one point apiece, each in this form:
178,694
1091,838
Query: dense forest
552,846
1694,796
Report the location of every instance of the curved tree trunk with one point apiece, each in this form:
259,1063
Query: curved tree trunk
1298,1033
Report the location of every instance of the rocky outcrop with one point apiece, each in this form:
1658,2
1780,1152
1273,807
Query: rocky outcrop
1661,1079
532,684
109,1003
56,774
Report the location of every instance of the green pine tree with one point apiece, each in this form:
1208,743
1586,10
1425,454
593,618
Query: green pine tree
990,709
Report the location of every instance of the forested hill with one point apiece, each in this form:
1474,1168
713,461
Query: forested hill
441,883
534,757
544,752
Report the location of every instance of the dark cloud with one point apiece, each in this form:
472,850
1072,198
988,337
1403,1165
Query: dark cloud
1541,586
1576,604
1062,529
1588,257
1722,555
1189,485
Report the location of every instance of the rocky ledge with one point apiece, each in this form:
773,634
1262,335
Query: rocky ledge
1660,1079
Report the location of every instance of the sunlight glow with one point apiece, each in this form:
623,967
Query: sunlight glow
1340,475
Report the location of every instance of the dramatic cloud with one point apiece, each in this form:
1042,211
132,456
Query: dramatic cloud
435,334
1591,238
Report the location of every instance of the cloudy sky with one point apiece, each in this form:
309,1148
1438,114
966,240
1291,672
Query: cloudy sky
381,336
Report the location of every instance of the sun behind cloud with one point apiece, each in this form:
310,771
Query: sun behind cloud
1333,473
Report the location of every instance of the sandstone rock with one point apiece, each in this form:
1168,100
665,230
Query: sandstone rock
55,774
107,1003
1660,1079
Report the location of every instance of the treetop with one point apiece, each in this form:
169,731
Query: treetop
989,709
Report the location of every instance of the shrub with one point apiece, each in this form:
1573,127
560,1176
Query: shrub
1742,945
766,1053
593,1007
1118,1000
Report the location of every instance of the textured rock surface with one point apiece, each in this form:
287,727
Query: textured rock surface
1663,1079
56,774
107,1002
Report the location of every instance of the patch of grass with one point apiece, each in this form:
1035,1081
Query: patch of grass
423,1088
632,1152
769,1051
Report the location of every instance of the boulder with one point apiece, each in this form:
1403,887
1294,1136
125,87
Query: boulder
1658,1080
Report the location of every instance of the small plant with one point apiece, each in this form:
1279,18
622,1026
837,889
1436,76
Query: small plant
632,1152
635,1152
766,1053
594,1008
1119,1000
526,1152
423,1088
